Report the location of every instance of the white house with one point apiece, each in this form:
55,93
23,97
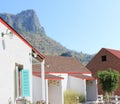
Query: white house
16,60
73,76
53,87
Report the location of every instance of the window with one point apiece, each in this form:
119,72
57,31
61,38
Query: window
19,68
22,81
104,58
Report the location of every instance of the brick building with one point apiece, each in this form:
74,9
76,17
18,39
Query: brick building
104,59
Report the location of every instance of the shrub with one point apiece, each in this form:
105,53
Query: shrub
109,80
70,97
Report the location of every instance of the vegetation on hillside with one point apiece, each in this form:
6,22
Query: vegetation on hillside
27,24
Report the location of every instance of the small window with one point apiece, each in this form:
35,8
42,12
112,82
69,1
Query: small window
18,69
104,58
22,81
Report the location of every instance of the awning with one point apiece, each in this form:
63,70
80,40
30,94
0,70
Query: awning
49,77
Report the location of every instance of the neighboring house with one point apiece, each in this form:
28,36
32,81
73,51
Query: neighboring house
104,59
53,88
71,75
16,60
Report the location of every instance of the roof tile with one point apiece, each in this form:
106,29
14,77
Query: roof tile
114,52
60,64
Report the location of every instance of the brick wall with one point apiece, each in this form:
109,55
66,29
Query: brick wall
96,64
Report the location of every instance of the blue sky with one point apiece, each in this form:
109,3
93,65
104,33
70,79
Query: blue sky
80,25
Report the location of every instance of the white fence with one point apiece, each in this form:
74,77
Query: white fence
100,100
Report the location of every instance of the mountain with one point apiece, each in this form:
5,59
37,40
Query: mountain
27,24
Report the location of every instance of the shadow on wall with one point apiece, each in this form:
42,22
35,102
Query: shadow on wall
3,44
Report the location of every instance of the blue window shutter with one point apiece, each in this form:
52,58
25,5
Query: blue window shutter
25,83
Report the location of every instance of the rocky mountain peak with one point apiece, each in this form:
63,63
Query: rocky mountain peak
24,21
27,24
27,21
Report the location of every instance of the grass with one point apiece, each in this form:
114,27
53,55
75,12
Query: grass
72,97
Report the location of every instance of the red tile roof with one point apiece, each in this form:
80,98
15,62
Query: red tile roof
60,64
114,52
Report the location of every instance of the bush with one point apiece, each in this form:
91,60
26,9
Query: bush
109,80
70,97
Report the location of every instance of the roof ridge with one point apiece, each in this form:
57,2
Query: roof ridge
114,52
111,49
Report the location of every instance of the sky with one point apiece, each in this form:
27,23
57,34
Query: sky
80,25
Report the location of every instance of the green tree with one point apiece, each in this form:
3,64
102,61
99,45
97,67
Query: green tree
109,80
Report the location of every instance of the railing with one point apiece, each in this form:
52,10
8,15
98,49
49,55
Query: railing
115,99
100,99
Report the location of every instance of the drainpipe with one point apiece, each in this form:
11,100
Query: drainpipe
43,79
85,91
46,91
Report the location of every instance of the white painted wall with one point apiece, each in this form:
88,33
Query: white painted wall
12,50
64,83
91,90
55,94
37,89
78,85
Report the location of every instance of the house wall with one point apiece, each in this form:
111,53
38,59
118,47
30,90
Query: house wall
87,88
37,89
96,65
12,50
55,94
77,84
91,90
64,83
